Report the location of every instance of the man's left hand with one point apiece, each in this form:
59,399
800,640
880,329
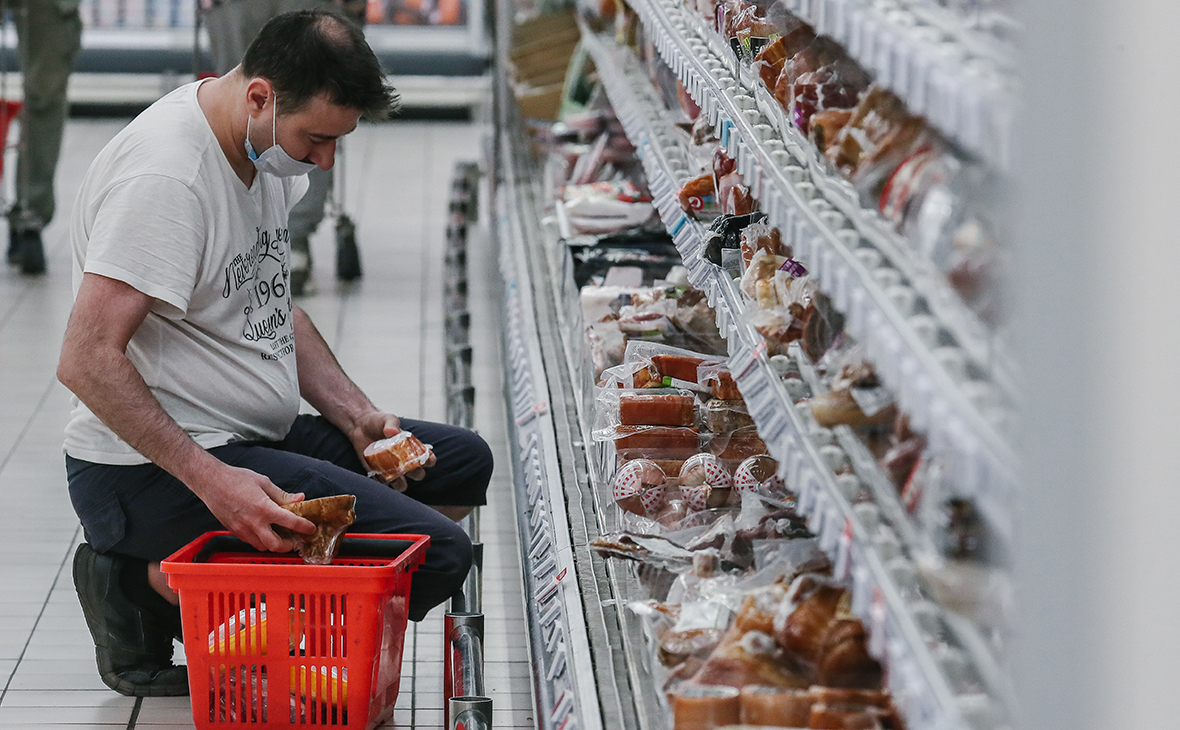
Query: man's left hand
378,425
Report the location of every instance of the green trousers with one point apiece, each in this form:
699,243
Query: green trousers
49,34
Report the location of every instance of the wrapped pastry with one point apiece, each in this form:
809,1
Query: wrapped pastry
826,127
643,409
840,408
698,197
737,446
759,474
679,367
844,659
396,456
802,624
699,707
657,442
776,706
678,646
639,488
751,657
762,267
331,517
761,236
878,137
723,416
704,482
720,382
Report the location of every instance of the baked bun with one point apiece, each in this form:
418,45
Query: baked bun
331,517
396,456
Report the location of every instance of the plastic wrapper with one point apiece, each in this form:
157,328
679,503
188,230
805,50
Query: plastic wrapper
762,267
776,706
725,232
705,483
654,442
331,517
737,446
823,325
646,407
396,456
719,381
639,488
703,707
878,137
723,416
649,549
606,207
698,198
815,623
762,237
759,474
842,408
794,36
654,364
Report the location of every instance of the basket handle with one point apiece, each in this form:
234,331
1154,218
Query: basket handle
365,547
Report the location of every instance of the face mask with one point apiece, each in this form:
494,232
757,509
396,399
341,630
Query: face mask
275,160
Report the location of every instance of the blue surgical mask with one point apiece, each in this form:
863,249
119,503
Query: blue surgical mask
275,160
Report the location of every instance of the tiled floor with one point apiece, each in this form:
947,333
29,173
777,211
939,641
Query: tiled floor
387,332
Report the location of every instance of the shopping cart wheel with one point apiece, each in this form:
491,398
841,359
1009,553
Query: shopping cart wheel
348,257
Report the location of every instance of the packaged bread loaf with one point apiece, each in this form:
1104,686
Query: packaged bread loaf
642,409
396,456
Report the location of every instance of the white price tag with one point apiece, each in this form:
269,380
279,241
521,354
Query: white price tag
878,622
843,567
872,400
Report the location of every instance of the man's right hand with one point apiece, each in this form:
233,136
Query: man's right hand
247,504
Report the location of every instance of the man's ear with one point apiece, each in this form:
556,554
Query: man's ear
259,95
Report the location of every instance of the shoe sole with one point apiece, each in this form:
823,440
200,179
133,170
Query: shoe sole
84,569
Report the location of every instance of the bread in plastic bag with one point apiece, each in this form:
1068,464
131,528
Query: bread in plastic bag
396,456
331,517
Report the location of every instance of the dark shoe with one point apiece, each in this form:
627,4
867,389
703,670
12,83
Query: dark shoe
13,246
348,256
132,645
32,254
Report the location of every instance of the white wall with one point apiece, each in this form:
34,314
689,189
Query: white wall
1099,327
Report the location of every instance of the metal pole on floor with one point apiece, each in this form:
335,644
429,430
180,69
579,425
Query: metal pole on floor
469,713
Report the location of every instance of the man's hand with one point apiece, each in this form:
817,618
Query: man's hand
377,425
247,504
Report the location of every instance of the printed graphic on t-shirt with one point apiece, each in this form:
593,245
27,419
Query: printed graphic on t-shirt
262,275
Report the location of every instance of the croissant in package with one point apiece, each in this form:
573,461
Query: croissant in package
331,517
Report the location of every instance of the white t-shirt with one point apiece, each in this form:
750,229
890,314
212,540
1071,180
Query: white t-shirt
162,210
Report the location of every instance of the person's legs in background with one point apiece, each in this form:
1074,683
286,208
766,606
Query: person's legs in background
305,217
49,34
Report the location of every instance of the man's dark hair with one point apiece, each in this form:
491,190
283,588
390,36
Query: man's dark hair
311,52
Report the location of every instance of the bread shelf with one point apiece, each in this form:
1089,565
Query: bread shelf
900,637
929,379
959,78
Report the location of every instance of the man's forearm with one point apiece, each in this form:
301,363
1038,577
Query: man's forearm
322,382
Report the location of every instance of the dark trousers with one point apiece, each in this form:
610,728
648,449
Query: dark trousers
144,512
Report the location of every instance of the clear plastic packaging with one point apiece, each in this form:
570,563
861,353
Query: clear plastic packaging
639,488
723,416
759,474
394,457
331,517
705,483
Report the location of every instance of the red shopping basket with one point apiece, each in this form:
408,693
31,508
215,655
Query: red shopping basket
274,643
